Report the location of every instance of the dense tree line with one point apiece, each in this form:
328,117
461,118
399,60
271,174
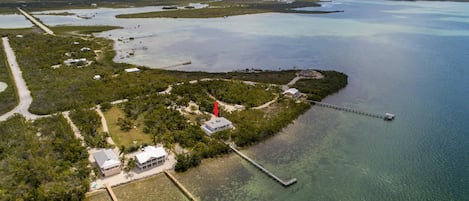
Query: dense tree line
168,126
41,160
237,92
232,92
317,89
196,93
254,125
68,87
88,122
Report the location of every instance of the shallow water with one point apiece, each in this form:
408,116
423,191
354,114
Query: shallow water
14,21
408,58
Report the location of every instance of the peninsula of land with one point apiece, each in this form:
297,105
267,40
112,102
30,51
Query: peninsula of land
97,122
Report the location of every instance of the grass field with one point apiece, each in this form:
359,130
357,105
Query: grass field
8,98
121,137
81,29
4,32
157,187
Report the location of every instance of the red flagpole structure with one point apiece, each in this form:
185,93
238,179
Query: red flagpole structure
215,109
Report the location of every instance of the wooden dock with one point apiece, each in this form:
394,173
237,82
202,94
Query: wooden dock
111,193
176,65
284,183
180,186
379,116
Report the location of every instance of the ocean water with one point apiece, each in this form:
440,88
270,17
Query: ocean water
407,58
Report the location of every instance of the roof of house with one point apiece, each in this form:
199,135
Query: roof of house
291,91
106,159
150,152
218,122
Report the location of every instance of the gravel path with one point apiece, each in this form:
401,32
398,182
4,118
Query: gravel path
24,94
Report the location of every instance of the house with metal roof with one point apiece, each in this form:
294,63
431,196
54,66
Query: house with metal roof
151,156
217,124
292,93
108,162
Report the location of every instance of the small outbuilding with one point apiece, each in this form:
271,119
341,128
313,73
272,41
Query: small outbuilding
151,156
217,124
108,162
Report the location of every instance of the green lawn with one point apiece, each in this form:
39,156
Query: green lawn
157,187
8,98
121,137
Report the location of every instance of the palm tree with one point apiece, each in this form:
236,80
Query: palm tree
121,150
131,164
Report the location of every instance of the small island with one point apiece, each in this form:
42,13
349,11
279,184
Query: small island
80,110
231,8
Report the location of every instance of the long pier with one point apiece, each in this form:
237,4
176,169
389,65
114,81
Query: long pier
176,65
111,193
36,22
284,183
386,116
180,186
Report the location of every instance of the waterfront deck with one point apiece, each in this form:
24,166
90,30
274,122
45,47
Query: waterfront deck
284,183
386,116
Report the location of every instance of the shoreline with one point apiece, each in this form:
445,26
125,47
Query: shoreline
279,117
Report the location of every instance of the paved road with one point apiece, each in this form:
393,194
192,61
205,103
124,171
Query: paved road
39,24
22,89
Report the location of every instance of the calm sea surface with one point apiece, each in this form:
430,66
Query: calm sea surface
408,58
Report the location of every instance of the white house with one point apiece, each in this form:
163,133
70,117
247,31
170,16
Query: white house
132,70
108,162
85,49
292,92
151,157
217,124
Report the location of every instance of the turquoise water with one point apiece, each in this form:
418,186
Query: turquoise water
408,58
414,65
